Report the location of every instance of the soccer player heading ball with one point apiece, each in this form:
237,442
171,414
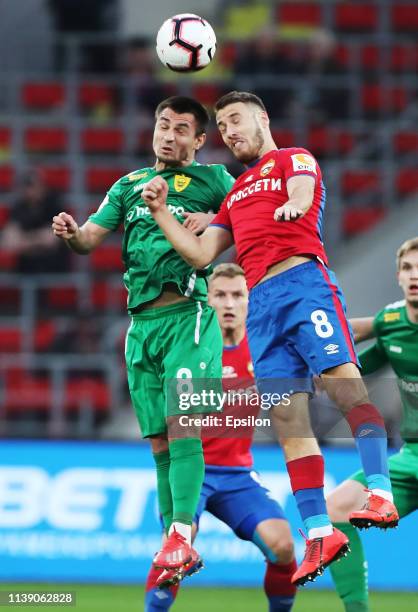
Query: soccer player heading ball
296,326
173,331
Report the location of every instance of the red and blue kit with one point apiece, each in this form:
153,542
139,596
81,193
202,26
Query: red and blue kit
231,489
296,324
249,207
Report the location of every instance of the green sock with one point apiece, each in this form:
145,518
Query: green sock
350,574
187,470
165,500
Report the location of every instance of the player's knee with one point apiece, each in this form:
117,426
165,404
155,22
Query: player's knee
283,550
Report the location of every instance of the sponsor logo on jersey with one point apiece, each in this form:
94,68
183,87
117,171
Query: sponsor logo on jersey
137,177
389,317
181,182
267,168
228,372
249,178
303,163
332,349
266,184
144,211
410,386
395,349
364,432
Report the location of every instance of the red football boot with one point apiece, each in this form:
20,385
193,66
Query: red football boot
172,577
376,512
320,552
174,554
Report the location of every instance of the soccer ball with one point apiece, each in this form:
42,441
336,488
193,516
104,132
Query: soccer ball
186,43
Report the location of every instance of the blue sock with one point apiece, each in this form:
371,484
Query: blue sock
371,444
312,508
157,600
279,603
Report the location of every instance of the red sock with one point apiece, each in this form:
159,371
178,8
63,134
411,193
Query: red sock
151,582
277,579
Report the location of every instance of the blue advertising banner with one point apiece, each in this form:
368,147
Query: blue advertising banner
87,512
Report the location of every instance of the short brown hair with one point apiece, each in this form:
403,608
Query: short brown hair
408,245
183,104
228,270
239,96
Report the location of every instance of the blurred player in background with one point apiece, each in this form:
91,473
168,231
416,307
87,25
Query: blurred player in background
296,324
231,490
396,331
173,330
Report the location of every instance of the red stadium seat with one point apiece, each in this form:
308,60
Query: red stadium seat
62,298
44,335
5,139
407,181
25,392
10,339
359,220
104,295
376,99
324,141
342,55
107,258
360,181
87,391
404,17
370,57
93,95
4,215
357,17
7,177
46,140
102,140
100,179
10,299
299,13
207,93
8,260
406,142
228,54
284,138
43,96
57,177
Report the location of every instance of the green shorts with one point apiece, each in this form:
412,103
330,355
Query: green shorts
403,472
181,342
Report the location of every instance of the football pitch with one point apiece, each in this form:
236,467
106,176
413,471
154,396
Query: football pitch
111,598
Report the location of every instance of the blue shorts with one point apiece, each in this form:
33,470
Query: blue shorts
297,327
236,497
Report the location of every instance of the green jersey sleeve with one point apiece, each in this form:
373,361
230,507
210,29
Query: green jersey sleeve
372,359
110,213
222,185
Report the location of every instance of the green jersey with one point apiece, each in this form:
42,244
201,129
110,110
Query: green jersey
397,344
149,258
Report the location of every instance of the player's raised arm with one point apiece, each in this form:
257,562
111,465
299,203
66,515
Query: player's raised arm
301,194
362,328
82,239
198,251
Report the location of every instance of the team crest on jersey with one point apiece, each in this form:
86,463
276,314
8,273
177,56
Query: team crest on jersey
303,163
137,177
267,167
389,317
181,182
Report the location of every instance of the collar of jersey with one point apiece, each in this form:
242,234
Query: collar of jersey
254,163
176,168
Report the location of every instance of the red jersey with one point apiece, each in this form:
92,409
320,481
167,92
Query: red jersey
237,374
249,207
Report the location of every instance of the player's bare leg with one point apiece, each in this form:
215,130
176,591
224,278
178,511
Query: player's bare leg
305,465
346,388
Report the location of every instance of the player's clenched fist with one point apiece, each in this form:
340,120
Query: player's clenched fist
155,193
64,226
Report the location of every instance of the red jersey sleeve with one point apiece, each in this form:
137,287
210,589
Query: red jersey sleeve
222,218
297,162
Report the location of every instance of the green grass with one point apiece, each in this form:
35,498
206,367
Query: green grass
106,598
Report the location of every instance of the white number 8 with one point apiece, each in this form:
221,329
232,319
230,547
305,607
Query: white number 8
184,385
323,327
